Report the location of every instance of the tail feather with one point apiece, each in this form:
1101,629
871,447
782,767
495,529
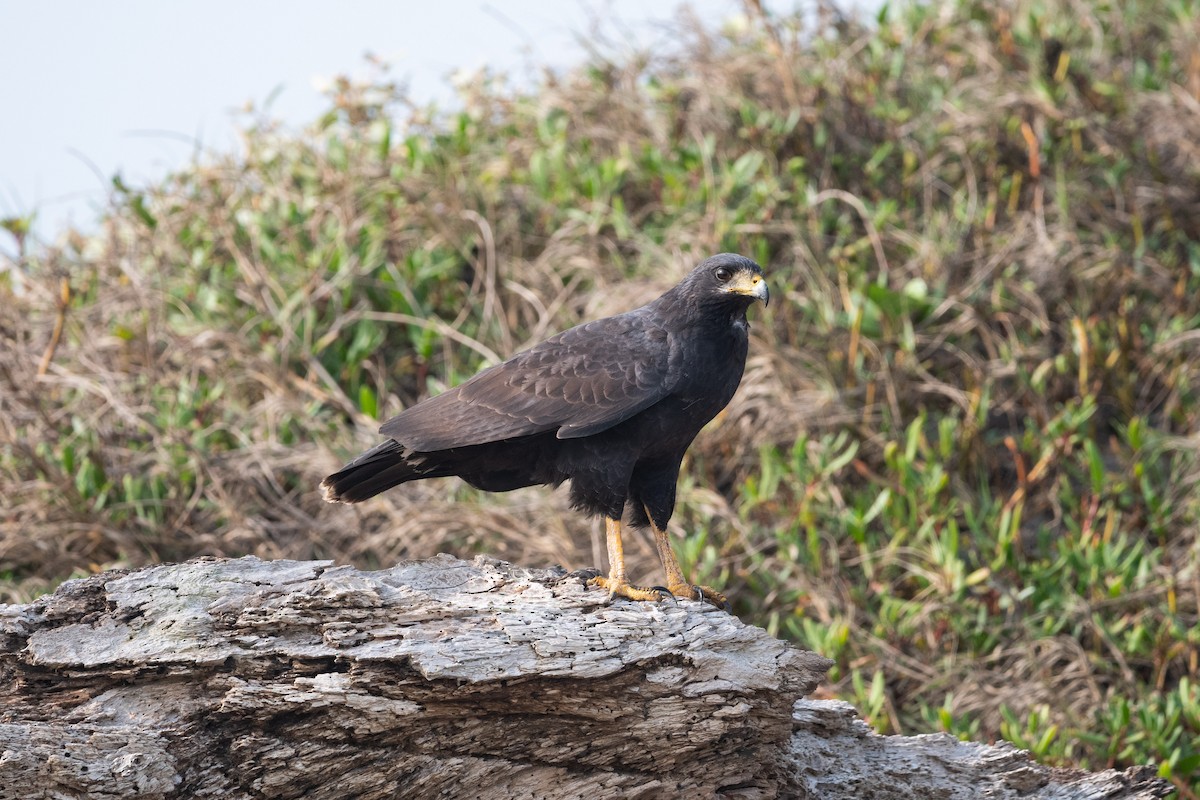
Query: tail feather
375,471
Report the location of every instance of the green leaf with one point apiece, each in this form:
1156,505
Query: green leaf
367,401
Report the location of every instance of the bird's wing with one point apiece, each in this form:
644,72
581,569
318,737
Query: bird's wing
580,382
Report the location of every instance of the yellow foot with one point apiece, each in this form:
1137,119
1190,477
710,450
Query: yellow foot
624,589
697,592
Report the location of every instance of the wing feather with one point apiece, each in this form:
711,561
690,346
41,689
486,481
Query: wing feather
580,382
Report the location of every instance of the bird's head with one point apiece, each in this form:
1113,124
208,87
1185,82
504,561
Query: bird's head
718,288
729,277
738,276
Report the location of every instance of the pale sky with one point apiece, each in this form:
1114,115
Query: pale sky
90,89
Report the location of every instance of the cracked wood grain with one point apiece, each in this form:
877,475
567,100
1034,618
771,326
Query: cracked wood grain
441,678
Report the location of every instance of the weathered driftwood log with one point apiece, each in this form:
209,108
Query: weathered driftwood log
443,678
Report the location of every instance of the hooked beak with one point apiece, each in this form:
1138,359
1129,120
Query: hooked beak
751,285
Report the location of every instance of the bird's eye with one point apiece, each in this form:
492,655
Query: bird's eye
723,274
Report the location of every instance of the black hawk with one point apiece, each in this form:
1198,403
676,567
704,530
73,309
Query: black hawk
610,405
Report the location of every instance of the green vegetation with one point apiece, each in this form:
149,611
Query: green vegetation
963,462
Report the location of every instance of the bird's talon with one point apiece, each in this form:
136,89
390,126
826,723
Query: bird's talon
599,581
716,598
694,591
664,592
628,591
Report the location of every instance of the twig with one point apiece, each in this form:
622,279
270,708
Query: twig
64,302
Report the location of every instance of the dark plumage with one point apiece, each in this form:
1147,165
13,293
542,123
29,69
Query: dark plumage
610,405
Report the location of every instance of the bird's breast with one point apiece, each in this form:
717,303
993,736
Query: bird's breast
712,376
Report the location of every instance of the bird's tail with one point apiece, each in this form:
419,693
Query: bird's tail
376,470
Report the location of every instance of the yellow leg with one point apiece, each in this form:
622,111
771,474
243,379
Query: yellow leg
616,550
675,580
616,583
